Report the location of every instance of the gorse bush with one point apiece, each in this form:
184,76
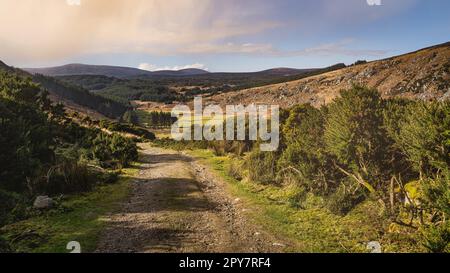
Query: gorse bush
304,156
425,136
355,135
436,239
114,150
436,195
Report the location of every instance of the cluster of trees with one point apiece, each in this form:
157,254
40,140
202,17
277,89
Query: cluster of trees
91,82
43,152
138,90
108,107
156,119
361,147
190,93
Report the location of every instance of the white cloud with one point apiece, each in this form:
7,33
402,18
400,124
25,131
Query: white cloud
151,67
55,30
343,47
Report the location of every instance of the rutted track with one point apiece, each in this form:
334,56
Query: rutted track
177,205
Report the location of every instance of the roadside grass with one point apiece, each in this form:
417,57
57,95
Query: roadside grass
314,228
78,218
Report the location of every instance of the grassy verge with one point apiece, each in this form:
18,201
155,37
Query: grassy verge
313,229
79,218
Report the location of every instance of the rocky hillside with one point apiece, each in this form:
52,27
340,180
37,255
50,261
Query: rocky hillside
424,74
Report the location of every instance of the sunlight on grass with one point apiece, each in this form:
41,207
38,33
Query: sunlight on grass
80,218
311,229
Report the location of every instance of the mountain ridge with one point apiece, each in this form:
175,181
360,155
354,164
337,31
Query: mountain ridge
78,69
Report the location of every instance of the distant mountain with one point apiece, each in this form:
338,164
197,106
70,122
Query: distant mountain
83,69
109,71
129,72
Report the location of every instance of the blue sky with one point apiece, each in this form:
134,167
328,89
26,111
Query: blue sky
218,35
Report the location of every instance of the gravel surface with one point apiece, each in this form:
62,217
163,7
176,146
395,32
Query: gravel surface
178,205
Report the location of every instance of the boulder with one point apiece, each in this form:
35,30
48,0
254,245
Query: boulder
43,202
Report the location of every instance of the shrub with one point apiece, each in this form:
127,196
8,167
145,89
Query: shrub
261,166
436,194
304,157
355,135
425,136
235,169
114,148
69,177
344,199
436,238
4,246
8,201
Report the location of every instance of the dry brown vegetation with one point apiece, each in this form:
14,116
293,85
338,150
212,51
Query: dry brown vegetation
424,74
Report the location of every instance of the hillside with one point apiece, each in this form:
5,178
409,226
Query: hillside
75,98
424,74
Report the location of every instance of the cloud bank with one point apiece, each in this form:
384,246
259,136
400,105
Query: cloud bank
49,30
151,67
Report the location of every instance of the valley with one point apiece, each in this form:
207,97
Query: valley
364,157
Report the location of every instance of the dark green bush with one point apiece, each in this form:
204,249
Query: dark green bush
8,201
345,198
436,239
114,150
355,135
41,148
425,136
304,156
4,246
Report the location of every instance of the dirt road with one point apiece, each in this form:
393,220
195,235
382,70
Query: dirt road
177,205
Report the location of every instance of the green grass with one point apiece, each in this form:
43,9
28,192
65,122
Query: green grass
79,218
313,229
